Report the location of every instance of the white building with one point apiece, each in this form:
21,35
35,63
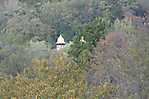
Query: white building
60,43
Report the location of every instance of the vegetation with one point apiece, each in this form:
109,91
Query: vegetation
106,54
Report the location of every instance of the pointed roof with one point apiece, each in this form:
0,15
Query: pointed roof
60,40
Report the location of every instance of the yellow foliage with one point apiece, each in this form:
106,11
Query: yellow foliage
103,90
39,64
60,60
135,53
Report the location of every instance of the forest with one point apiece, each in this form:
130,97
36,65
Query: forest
105,55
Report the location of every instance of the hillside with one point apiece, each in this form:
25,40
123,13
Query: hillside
78,49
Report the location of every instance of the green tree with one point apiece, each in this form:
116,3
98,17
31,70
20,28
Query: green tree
92,33
14,60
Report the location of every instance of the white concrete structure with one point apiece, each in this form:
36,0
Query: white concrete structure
60,43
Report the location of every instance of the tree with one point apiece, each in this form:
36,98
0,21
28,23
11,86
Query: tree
38,49
120,61
92,33
25,28
14,59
